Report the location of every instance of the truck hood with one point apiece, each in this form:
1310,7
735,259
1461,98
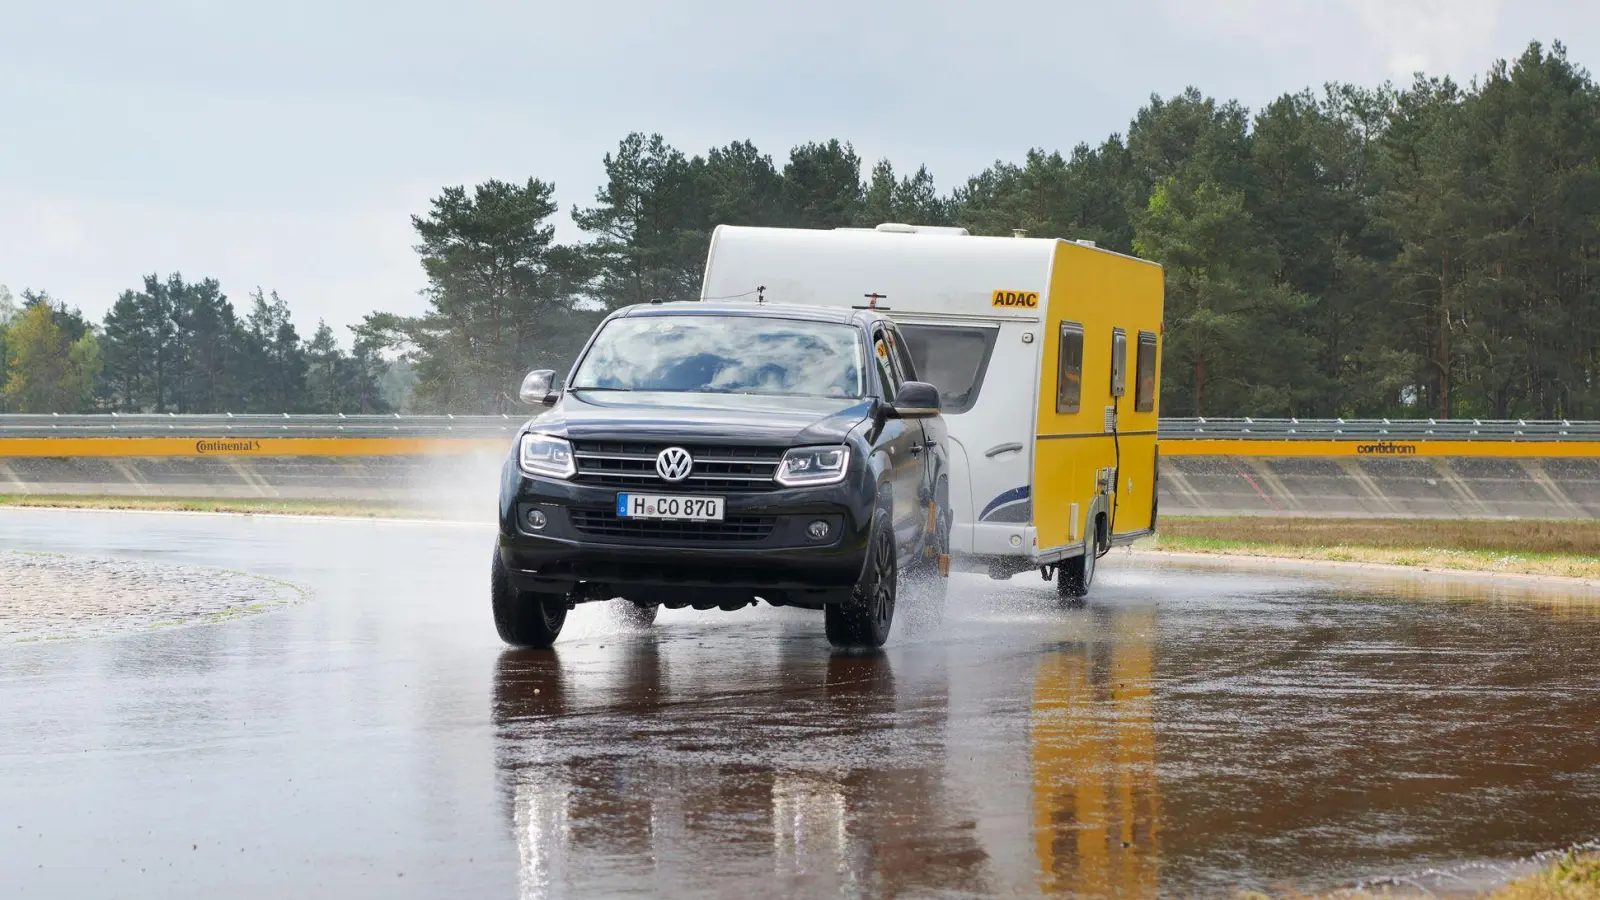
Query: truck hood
702,418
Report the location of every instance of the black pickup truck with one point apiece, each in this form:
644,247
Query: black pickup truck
712,455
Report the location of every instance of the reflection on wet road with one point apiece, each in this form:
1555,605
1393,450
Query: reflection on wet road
1189,732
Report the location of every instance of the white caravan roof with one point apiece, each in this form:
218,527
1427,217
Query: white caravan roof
930,274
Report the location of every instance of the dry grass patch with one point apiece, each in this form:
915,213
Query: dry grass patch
1531,547
1579,537
1570,876
1573,876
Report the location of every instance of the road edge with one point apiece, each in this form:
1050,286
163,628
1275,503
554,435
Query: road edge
1245,561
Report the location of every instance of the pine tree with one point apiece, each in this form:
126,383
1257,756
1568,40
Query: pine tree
649,237
822,186
275,360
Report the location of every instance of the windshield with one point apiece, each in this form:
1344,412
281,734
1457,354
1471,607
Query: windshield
724,355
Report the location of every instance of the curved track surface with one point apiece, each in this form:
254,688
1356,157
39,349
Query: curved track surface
1188,732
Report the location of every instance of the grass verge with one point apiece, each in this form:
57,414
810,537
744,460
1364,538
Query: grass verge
1572,876
200,504
1530,547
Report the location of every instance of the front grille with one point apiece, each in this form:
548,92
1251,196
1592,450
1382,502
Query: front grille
633,465
733,529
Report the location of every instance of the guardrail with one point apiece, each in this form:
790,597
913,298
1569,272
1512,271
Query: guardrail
112,425
446,426
1380,429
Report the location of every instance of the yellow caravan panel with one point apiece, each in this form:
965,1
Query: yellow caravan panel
1101,292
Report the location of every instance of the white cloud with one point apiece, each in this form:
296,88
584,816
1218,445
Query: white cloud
1398,37
1429,35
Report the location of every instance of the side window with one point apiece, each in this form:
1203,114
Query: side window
902,360
883,357
1144,388
1069,368
1119,362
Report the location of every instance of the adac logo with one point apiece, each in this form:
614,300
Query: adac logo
1015,299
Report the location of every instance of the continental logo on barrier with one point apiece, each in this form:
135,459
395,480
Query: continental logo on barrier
205,447
1015,299
1386,448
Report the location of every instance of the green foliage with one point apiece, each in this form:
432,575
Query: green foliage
649,235
1230,340
336,382
911,200
46,372
502,297
822,186
275,361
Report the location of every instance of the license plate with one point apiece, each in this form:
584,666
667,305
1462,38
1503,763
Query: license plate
656,506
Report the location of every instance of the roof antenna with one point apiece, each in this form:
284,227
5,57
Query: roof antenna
761,293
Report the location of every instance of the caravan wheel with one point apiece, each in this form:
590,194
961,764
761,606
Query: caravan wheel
1074,576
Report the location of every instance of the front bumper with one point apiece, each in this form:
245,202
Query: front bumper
763,551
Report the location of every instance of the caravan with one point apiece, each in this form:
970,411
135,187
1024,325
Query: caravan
1046,354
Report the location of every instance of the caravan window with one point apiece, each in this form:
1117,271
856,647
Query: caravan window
1069,368
1144,390
952,358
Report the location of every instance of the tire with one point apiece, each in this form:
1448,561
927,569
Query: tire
863,619
1076,575
524,618
638,615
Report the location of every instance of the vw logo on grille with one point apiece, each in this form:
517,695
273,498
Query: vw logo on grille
674,464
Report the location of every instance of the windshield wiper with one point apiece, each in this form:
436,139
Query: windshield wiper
600,389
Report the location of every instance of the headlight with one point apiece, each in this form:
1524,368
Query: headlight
807,466
542,454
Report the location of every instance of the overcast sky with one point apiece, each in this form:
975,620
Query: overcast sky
286,144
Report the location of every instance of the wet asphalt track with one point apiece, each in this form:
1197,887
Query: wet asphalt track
1188,733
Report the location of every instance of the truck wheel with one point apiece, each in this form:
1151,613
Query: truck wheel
1074,576
524,618
863,619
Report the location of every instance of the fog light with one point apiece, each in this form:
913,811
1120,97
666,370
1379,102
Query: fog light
1016,540
817,530
536,520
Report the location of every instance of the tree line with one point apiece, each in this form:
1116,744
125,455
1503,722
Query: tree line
174,346
1428,250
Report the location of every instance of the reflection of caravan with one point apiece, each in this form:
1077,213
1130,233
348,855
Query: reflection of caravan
1045,352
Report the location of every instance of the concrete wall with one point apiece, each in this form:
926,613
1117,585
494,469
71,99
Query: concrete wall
1436,487
458,484
465,484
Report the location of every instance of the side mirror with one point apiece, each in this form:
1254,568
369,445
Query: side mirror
916,400
536,388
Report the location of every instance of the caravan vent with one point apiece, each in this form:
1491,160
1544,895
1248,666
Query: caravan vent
1084,243
902,228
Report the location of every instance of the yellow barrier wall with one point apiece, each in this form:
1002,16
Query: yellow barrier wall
1376,449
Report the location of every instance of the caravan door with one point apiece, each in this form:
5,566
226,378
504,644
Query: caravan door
984,371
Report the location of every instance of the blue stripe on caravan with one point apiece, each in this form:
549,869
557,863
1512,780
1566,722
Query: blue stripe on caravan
1011,496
